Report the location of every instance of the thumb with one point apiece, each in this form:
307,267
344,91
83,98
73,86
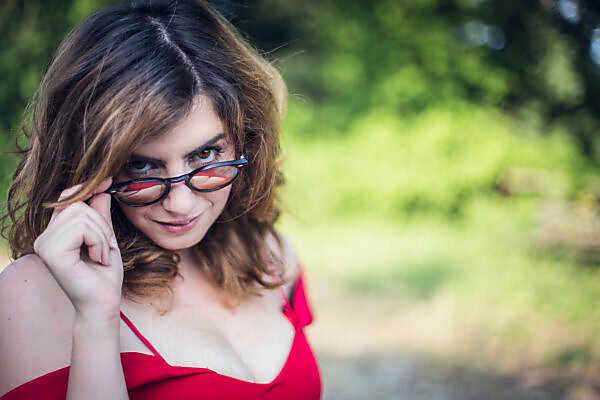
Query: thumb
100,201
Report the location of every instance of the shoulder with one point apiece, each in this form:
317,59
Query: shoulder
24,277
27,288
283,249
35,322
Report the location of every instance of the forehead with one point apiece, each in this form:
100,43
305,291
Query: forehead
201,125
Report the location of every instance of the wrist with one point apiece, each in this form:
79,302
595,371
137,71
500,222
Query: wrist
99,313
96,324
96,371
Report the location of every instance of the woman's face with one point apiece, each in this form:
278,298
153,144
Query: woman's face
182,218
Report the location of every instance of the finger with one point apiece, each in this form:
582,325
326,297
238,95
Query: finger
93,240
65,194
93,235
103,186
69,192
100,203
61,245
79,210
97,247
115,257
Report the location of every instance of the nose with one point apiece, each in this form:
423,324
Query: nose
181,200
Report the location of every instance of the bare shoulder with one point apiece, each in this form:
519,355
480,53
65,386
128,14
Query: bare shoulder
27,289
284,249
28,273
36,320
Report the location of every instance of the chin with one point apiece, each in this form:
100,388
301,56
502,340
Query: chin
180,243
175,237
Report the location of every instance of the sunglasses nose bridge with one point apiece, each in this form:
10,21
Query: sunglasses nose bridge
177,179
183,178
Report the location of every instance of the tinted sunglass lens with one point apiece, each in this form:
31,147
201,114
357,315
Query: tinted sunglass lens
140,192
214,178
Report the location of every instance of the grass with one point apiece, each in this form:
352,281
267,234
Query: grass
502,301
427,228
419,257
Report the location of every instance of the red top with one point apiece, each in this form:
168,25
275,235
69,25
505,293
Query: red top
150,377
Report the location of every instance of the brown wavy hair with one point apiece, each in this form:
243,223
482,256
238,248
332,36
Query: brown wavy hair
131,73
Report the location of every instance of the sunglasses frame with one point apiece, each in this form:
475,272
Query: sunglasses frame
113,189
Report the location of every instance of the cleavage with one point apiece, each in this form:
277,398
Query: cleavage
245,344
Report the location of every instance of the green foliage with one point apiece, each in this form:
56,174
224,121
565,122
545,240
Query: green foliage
416,281
435,163
407,56
405,207
30,32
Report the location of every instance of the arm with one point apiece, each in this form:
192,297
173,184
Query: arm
96,371
35,323
80,251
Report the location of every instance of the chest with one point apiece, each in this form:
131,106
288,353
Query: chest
250,342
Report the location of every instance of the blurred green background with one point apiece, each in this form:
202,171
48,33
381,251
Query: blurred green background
442,183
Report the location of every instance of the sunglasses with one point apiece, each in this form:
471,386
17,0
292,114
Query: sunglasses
146,191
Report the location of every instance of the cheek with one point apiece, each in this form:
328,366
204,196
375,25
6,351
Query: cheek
219,198
212,204
137,215
134,214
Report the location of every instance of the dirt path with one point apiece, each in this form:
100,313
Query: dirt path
368,352
402,377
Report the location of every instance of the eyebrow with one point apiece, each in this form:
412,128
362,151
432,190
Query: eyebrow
212,141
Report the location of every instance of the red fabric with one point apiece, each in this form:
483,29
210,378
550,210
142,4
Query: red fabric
149,377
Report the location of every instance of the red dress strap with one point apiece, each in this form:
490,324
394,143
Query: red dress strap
300,304
298,310
140,336
284,298
149,377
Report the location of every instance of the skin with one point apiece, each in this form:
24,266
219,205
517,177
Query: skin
74,297
171,154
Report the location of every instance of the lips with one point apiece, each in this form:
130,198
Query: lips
180,222
178,226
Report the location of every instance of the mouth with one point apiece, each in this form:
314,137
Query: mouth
178,226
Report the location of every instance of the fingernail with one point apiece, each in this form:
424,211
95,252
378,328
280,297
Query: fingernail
113,242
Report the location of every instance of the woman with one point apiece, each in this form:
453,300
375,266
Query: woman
141,220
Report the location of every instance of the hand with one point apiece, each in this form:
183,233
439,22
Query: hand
81,252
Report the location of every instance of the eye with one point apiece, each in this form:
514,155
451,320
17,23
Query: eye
207,155
137,167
